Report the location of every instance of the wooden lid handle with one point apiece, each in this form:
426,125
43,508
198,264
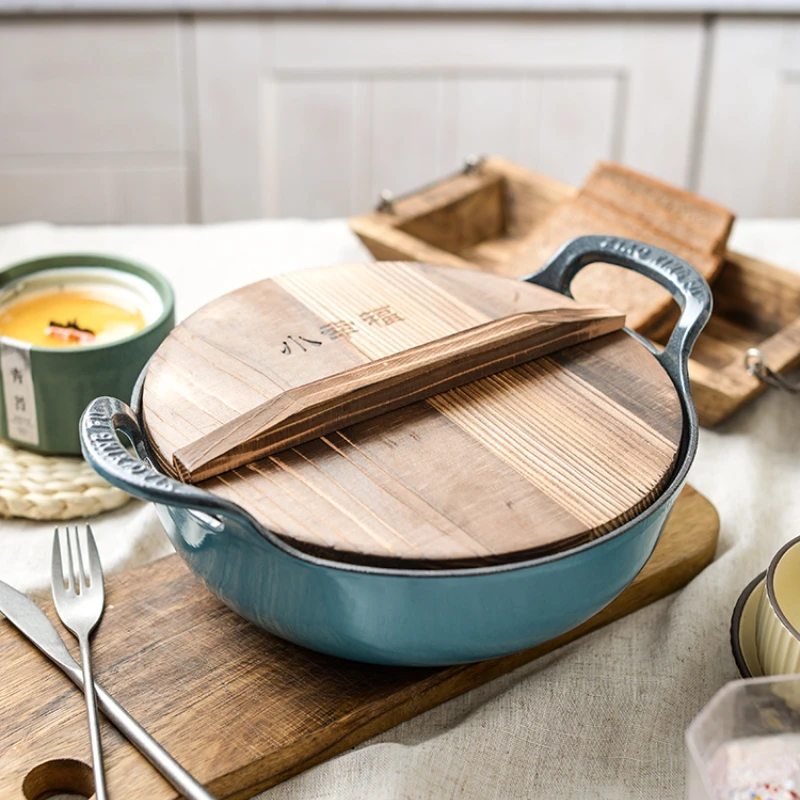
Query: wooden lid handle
368,390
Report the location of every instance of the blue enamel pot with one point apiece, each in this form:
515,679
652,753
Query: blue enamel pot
407,616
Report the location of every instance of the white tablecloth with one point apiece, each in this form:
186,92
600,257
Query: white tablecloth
603,717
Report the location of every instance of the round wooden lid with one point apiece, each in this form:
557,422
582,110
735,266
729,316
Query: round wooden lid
526,462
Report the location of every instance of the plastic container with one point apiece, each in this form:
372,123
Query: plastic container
745,744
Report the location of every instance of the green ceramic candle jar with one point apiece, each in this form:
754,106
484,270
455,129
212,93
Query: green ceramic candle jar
46,388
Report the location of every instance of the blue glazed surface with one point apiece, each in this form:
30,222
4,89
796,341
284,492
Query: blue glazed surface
414,617
421,619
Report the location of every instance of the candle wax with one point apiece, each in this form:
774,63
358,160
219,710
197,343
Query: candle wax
68,319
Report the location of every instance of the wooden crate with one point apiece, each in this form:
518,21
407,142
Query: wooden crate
486,216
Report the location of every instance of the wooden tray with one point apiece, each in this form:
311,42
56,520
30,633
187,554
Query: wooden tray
492,217
243,710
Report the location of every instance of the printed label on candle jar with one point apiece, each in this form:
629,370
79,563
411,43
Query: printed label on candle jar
15,365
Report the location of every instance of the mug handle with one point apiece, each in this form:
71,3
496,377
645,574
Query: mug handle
686,285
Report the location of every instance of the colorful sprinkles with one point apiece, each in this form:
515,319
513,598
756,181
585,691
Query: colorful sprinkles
765,791
758,768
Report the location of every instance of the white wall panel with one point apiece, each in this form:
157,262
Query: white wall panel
315,144
68,195
92,194
575,125
236,179
85,105
489,115
750,159
406,130
348,106
147,119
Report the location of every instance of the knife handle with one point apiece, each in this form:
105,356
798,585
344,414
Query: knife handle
188,786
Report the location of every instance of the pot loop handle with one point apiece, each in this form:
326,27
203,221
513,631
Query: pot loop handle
686,285
103,418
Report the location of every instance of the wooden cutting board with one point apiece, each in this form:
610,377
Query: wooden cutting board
239,708
531,460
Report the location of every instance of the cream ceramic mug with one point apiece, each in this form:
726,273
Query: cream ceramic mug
778,620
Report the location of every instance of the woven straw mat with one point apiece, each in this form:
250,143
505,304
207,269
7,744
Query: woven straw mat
33,486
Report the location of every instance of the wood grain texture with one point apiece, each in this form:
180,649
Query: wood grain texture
527,197
688,218
530,460
619,202
540,215
456,213
241,709
361,393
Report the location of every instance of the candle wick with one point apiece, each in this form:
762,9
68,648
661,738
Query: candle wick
71,324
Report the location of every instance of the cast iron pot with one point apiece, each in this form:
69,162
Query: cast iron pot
406,616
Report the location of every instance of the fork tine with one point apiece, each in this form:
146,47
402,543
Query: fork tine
58,567
61,539
70,562
79,559
95,567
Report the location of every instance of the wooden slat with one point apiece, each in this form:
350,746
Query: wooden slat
541,214
756,304
456,213
324,406
696,222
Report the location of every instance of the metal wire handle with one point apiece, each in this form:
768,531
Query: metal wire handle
756,365
388,198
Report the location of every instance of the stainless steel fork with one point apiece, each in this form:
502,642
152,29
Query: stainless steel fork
79,598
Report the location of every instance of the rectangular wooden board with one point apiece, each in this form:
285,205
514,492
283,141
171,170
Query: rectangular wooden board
241,709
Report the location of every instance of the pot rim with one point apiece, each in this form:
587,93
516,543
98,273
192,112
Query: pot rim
686,453
65,261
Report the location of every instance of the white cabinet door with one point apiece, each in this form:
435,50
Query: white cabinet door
92,120
314,116
750,156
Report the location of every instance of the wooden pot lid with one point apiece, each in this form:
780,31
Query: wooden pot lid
529,461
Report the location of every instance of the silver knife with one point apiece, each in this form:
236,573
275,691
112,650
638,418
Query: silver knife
34,625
